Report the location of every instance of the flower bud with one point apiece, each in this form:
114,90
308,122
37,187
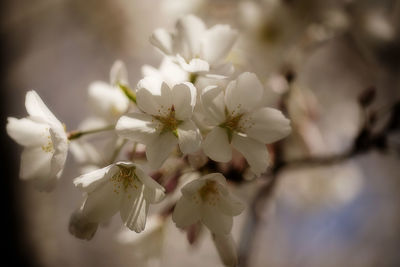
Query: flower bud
80,227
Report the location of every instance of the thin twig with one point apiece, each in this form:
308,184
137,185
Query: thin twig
77,134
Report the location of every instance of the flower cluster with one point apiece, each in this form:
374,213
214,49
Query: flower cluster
194,105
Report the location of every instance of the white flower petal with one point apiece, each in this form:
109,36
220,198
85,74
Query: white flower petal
35,164
90,181
172,73
102,203
212,100
134,209
118,73
107,101
244,94
148,70
153,191
216,145
217,177
162,40
190,30
158,151
27,132
189,137
60,145
169,72
153,97
216,221
266,125
184,100
230,205
195,65
186,213
226,249
255,152
217,42
138,127
38,110
190,189
221,71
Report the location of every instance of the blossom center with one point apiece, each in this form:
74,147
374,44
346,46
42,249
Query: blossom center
124,178
49,146
209,193
231,125
169,122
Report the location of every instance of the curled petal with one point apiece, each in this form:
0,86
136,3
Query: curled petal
153,191
134,209
90,181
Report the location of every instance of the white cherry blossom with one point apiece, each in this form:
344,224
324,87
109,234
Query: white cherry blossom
168,71
165,121
45,143
122,187
108,103
208,200
107,99
196,48
240,121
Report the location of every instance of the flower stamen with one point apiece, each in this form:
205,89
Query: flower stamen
209,193
169,122
125,177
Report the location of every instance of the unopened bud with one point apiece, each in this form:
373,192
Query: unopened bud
80,227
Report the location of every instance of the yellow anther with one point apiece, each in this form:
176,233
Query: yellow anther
126,177
209,192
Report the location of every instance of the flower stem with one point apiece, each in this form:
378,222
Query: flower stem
77,134
128,92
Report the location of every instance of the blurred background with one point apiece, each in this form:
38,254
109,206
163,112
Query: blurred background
320,56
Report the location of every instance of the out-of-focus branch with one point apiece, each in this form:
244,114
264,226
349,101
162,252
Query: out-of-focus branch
364,142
